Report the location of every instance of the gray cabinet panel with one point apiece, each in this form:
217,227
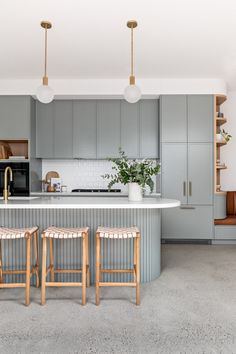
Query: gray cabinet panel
149,129
85,129
189,223
174,118
44,130
63,129
227,232
108,132
15,117
200,173
174,171
200,118
130,128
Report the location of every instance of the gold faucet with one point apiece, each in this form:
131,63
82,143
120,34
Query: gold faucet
6,190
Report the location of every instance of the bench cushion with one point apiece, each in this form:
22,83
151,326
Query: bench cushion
231,203
230,220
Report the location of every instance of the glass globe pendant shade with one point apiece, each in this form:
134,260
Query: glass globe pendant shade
132,93
45,94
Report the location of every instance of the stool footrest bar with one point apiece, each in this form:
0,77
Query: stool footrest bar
61,284
116,284
116,270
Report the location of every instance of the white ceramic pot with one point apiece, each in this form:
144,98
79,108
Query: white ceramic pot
135,192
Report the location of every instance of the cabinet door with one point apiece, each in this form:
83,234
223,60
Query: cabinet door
149,141
200,118
174,118
108,134
44,130
130,128
200,173
85,129
190,223
174,171
15,117
63,136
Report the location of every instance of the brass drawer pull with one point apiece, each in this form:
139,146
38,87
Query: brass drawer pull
190,189
184,188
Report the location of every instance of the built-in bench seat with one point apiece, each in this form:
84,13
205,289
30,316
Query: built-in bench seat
230,210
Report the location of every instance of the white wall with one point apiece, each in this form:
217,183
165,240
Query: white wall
228,152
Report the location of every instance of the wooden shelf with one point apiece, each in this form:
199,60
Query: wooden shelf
221,167
220,99
220,121
221,143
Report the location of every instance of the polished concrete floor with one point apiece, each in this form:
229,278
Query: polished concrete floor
191,308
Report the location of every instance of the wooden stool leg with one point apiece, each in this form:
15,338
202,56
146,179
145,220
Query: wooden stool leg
97,268
27,285
52,273
1,274
84,261
44,265
138,270
36,256
87,262
135,256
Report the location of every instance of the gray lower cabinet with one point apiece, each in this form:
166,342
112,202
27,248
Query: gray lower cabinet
108,128
15,117
192,222
85,129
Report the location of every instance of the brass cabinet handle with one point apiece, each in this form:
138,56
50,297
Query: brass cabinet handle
184,188
186,207
190,189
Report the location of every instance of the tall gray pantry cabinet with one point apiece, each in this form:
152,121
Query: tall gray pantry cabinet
187,155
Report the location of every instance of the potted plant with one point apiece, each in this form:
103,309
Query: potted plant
137,174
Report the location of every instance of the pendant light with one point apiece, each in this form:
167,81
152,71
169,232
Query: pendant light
44,92
132,92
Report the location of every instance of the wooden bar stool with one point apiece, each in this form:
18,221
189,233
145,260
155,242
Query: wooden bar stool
118,233
52,233
28,234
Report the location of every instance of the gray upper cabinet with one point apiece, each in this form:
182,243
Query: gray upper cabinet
174,118
174,171
63,129
149,142
85,129
44,130
108,128
130,128
200,173
54,129
200,118
15,117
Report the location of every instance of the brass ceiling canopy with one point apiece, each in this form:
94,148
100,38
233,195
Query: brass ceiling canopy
46,24
132,24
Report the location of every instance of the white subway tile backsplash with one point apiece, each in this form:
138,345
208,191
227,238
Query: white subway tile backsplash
81,173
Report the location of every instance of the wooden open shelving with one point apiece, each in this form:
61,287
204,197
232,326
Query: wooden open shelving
219,100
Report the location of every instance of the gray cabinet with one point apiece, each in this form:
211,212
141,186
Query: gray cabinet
149,129
44,130
63,129
174,171
15,117
54,129
130,141
192,222
108,128
85,129
200,118
187,118
200,173
174,118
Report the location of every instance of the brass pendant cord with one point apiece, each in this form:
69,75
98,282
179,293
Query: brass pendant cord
132,51
46,52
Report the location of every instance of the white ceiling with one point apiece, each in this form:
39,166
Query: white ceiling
89,39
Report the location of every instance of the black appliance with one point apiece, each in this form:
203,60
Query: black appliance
20,185
94,190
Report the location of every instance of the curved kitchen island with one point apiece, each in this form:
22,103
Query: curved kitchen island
92,212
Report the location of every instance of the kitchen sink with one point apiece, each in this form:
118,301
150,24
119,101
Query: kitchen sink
21,198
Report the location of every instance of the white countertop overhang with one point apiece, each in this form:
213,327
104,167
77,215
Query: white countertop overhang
58,202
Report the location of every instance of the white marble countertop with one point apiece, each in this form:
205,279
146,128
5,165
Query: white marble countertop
89,194
92,202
